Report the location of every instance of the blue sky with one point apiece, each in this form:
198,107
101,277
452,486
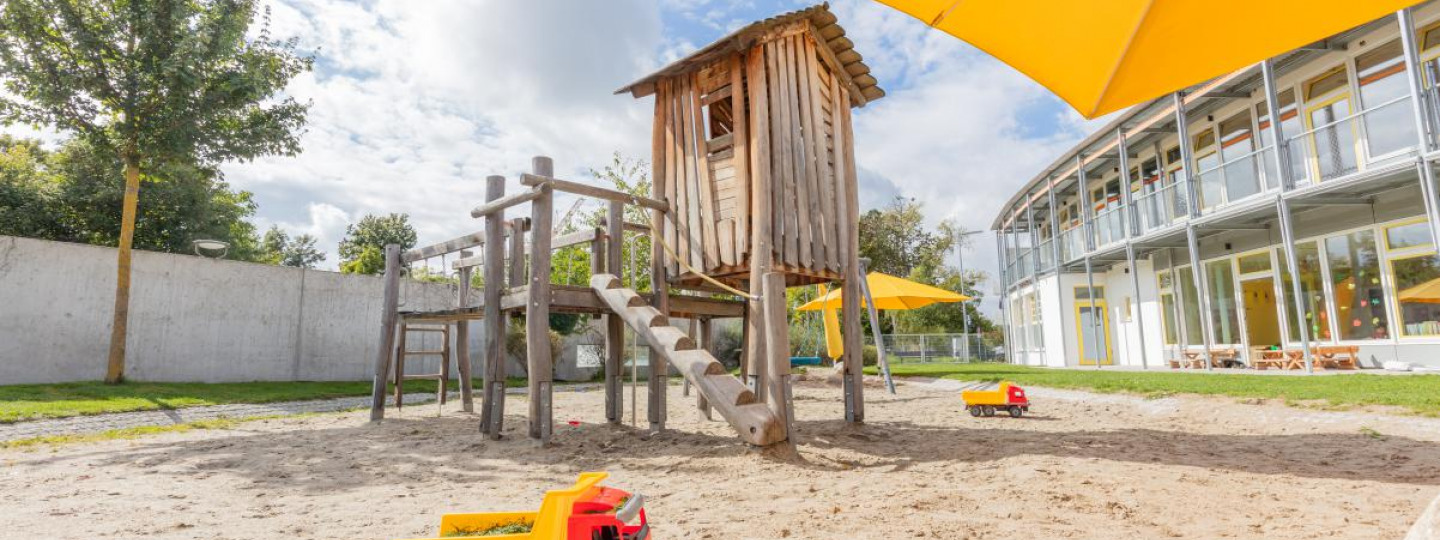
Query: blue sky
416,102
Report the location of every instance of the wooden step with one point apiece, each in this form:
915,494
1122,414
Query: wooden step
426,377
424,353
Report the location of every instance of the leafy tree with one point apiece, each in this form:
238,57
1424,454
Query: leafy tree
278,248
362,251
69,195
153,82
897,242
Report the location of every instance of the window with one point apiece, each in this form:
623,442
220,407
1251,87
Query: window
1190,306
1355,278
1389,117
1037,328
1430,37
1408,235
1333,80
1252,264
1224,317
1167,308
1237,144
1083,293
1207,163
1417,289
1312,293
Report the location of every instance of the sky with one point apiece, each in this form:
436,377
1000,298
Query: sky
415,103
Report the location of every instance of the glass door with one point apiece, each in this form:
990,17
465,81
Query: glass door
1092,327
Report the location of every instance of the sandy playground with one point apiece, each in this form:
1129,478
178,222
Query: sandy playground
1083,466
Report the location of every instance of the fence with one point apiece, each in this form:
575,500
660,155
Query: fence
956,348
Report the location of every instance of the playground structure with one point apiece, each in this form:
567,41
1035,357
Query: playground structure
754,190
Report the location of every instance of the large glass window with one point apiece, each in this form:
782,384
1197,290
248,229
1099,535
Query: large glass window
1355,278
1312,292
1224,317
1389,120
1190,306
1207,163
1237,142
1417,289
1408,235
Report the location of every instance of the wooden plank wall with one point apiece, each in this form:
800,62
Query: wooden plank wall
705,156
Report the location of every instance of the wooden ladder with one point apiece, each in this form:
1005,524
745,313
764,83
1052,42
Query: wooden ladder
442,378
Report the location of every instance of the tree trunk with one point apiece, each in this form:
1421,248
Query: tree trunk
115,371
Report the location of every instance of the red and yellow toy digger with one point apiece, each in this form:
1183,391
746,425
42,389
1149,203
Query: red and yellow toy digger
1007,397
585,511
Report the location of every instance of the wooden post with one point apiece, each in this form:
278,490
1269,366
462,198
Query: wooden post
492,408
387,331
517,253
707,344
462,340
659,282
777,341
850,289
537,308
400,349
614,326
761,217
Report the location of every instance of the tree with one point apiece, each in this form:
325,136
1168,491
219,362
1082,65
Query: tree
362,251
154,82
70,194
278,248
897,242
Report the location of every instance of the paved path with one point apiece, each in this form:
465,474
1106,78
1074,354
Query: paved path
80,425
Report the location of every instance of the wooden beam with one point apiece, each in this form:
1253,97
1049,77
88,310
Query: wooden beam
502,203
614,326
593,191
388,315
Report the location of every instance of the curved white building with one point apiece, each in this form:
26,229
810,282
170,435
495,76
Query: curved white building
1166,237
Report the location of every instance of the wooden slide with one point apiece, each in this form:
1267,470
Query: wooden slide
755,422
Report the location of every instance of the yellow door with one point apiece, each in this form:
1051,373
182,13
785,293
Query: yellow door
1085,313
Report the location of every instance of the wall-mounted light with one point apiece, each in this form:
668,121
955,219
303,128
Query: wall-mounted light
215,248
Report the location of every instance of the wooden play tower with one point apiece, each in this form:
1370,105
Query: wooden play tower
754,191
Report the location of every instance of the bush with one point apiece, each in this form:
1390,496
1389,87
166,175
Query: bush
729,339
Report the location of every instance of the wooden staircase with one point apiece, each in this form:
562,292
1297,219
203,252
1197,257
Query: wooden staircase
754,421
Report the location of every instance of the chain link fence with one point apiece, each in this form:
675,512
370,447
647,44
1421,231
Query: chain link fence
949,348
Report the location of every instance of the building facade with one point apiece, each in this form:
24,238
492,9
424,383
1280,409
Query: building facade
1170,233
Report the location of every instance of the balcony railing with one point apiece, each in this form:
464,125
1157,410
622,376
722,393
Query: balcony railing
1160,207
1238,179
1046,253
1109,226
1072,244
1343,146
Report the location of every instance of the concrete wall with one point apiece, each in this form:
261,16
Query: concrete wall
191,318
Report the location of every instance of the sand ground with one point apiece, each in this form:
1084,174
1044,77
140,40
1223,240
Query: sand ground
1082,466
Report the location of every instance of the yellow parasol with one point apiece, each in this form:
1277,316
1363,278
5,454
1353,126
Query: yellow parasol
890,292
1103,56
1424,293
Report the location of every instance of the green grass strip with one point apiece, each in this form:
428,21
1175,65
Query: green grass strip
1419,394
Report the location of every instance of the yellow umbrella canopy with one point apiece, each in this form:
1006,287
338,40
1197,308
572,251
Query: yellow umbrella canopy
890,292
1424,293
1103,56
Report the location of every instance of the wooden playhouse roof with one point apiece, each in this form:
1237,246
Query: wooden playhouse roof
863,87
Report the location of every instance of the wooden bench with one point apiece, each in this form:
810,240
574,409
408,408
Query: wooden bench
1277,359
1196,359
1337,356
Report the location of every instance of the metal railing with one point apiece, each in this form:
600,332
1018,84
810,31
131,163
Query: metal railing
1046,253
1160,207
953,348
1237,179
1072,244
1109,226
1333,150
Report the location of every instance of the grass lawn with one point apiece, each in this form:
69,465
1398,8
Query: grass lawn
32,401
1417,393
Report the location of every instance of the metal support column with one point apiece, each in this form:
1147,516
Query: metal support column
1004,293
1181,337
1282,209
1131,229
1412,73
1087,209
1059,263
1187,155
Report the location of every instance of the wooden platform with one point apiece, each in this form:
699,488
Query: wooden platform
573,299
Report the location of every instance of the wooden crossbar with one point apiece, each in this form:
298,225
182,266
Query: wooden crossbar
593,191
